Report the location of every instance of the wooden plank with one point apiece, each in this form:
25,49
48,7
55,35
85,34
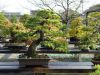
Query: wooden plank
48,70
9,67
71,63
9,63
84,52
70,67
13,51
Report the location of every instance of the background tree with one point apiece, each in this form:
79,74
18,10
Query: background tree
65,5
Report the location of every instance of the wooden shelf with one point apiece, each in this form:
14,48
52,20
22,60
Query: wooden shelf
84,52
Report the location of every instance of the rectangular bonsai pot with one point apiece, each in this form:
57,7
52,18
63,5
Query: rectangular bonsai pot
34,62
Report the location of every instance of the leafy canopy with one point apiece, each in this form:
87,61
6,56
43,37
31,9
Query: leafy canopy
52,28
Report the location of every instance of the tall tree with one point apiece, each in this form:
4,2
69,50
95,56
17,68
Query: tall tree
65,5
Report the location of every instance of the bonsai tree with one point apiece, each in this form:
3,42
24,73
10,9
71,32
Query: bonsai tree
18,32
49,32
92,33
76,30
88,41
94,22
5,24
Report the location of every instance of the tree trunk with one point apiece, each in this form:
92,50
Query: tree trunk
13,38
67,11
32,48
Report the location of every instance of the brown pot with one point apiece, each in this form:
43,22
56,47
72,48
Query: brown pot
34,62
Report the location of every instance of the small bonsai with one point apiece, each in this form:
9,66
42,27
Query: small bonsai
89,40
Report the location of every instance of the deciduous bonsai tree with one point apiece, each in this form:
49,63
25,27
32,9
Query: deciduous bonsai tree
92,32
5,25
76,30
94,22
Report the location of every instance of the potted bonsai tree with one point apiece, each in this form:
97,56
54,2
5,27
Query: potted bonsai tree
89,40
5,25
76,30
48,29
92,33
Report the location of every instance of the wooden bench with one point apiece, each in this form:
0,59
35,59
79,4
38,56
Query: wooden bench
66,67
52,67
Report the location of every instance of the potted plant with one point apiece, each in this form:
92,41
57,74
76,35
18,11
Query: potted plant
88,41
37,60
18,34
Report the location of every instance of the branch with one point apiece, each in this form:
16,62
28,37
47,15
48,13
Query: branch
79,5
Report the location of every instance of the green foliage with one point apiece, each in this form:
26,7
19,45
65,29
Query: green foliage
4,25
50,24
97,72
88,35
20,32
13,19
76,28
89,40
24,18
94,22
97,56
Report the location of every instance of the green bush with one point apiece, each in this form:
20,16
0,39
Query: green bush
97,72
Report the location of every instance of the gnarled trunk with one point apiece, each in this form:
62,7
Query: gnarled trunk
32,48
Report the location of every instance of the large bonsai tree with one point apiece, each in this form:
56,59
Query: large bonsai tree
49,30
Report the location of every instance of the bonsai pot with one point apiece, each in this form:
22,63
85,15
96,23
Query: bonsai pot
73,40
34,62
